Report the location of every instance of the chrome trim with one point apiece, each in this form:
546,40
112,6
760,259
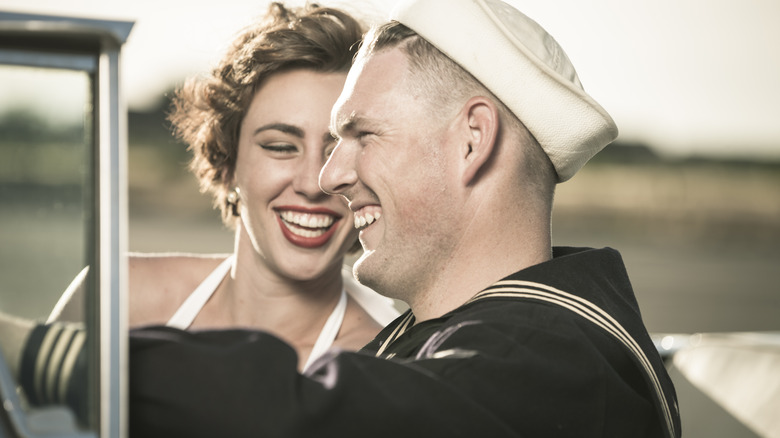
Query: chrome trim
50,60
109,30
112,243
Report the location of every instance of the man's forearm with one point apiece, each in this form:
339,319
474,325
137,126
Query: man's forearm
53,366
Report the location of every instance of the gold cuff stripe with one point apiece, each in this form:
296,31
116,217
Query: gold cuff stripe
68,364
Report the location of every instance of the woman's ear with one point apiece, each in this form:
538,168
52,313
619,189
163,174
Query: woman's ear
482,122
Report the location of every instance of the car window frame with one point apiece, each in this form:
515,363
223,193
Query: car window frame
93,46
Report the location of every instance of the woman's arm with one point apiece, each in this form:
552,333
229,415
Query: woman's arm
157,285
14,333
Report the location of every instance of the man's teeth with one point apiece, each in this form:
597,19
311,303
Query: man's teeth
367,219
307,220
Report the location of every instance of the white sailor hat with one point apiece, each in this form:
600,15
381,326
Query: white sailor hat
519,62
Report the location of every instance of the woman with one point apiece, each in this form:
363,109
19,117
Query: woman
258,128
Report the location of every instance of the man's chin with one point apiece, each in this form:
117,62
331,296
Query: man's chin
379,273
363,271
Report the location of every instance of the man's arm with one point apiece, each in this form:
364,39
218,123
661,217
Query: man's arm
473,380
470,380
243,383
53,366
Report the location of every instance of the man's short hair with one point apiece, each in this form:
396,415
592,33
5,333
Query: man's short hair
445,86
440,79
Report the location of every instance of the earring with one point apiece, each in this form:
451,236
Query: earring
232,200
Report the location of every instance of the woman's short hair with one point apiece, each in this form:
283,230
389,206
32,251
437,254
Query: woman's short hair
207,111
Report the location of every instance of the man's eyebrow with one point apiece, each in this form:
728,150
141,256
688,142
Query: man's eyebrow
350,124
282,127
337,127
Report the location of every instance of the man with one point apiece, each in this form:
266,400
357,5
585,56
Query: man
455,125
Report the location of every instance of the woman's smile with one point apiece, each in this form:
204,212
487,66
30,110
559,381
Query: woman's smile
308,228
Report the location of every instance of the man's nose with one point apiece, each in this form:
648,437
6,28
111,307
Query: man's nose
339,172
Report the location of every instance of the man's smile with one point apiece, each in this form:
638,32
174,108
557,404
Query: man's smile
367,216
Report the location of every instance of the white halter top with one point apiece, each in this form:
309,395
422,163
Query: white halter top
380,308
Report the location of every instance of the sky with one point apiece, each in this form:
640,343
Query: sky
687,77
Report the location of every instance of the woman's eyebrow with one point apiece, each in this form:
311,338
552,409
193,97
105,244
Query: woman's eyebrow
282,127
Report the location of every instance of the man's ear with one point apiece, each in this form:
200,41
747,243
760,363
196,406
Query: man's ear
481,116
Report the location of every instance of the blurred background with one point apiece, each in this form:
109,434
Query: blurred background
689,193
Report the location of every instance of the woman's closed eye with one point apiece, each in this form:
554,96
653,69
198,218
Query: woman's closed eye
280,148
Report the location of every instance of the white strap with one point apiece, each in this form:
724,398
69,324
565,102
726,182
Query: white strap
329,331
190,308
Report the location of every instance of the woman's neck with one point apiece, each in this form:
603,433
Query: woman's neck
256,295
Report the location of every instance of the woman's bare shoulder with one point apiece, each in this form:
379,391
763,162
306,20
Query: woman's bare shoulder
160,282
173,263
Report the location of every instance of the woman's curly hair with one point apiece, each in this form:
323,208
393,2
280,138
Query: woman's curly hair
207,112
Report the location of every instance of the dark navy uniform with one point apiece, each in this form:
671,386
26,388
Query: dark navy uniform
555,350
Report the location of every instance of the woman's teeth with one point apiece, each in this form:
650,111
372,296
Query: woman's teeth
307,224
